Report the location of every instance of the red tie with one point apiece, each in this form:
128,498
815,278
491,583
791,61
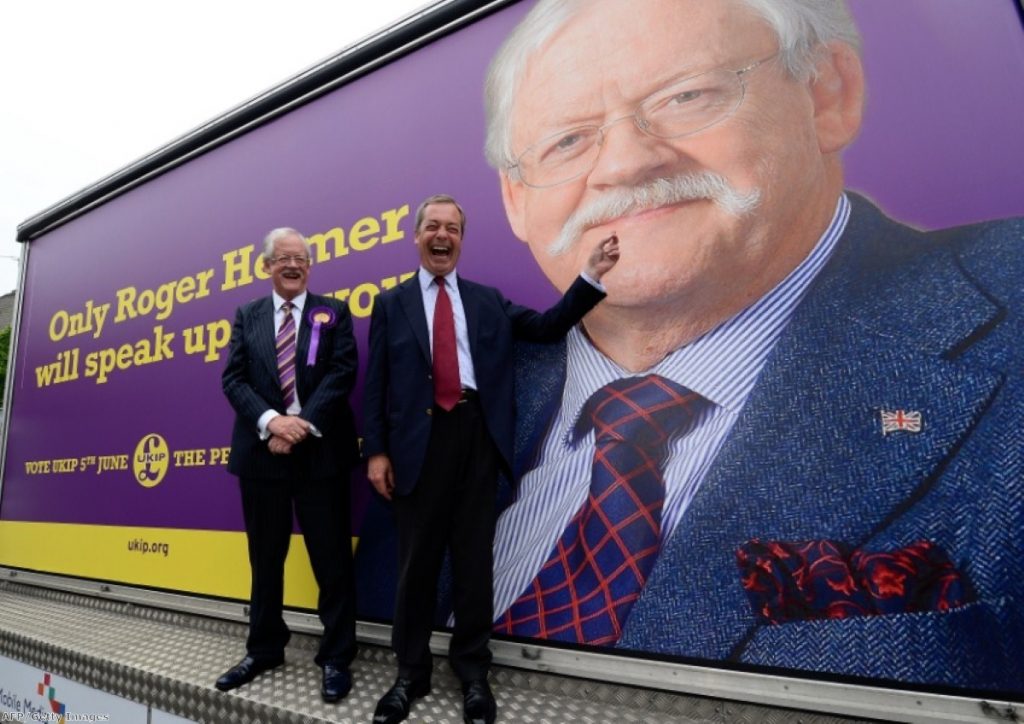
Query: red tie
447,387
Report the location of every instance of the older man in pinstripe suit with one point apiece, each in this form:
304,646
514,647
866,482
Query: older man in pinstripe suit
290,371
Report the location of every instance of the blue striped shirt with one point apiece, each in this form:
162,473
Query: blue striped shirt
721,365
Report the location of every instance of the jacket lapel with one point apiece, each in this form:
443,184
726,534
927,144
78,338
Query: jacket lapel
302,341
471,308
807,459
265,336
411,298
540,379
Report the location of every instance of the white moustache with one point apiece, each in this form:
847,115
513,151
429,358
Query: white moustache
651,195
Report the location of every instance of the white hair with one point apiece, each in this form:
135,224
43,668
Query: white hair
802,27
276,234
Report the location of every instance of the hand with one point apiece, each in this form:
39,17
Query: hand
278,446
289,428
603,257
382,477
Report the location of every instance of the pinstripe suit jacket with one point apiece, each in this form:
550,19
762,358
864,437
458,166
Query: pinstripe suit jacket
252,386
898,319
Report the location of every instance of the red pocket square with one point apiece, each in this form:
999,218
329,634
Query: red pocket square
802,580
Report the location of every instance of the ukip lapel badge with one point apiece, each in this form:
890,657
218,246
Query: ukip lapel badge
321,318
900,420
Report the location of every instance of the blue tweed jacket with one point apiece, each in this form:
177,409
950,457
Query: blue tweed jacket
899,319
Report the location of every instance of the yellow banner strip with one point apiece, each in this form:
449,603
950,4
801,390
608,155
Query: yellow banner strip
204,562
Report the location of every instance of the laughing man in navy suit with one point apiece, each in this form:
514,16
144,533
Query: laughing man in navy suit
438,420
841,486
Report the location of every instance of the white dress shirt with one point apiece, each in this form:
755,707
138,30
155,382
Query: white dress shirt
429,290
298,304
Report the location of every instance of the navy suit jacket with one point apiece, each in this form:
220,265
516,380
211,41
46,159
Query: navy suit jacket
399,392
898,319
252,386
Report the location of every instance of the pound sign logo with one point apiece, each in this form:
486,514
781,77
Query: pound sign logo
151,460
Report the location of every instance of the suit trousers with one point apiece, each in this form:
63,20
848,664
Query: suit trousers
323,511
452,507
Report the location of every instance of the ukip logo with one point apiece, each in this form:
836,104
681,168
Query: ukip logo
151,460
44,688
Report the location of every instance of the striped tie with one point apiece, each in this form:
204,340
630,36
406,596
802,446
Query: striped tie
286,355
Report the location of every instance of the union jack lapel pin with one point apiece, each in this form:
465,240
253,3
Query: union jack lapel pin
900,420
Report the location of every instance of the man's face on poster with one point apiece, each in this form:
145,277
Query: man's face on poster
768,150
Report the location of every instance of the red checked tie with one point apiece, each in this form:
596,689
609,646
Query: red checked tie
447,386
286,355
594,575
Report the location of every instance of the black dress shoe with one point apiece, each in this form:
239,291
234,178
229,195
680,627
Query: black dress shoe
337,683
393,707
245,671
478,705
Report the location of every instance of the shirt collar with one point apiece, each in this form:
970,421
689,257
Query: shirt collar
426,279
721,365
299,301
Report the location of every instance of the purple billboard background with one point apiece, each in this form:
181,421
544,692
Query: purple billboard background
941,142
940,146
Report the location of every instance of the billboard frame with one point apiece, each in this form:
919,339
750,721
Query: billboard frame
785,692
809,691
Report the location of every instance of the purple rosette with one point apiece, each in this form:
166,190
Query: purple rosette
321,318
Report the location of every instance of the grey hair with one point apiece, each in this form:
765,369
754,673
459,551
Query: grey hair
802,27
439,199
275,235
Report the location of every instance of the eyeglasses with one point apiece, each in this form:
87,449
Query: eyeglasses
288,259
679,109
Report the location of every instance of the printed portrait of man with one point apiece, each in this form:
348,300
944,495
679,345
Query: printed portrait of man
791,435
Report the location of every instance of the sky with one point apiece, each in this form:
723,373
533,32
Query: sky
88,87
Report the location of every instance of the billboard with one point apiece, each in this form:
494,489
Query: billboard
871,445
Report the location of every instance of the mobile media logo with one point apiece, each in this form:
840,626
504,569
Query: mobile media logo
44,688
